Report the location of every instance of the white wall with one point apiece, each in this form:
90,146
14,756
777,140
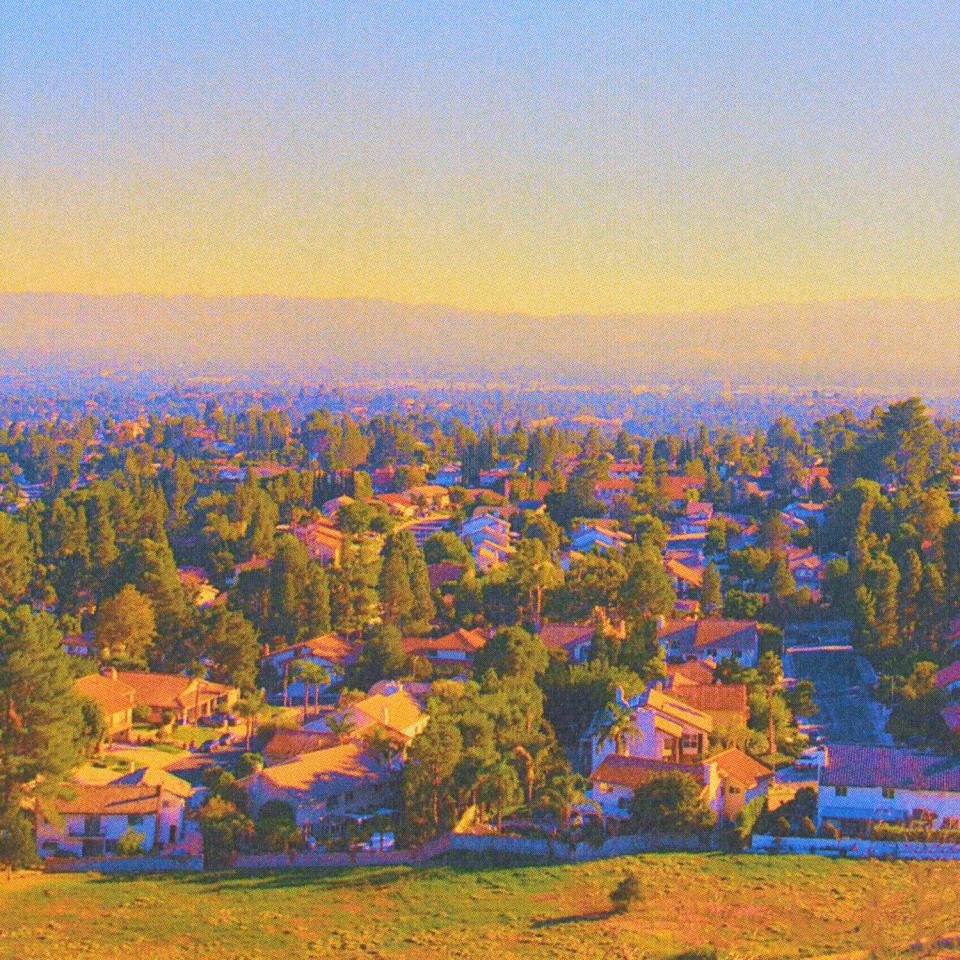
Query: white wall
901,805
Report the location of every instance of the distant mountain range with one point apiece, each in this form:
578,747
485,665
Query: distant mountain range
890,344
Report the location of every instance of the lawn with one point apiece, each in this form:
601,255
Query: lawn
746,907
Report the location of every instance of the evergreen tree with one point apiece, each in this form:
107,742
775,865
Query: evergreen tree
16,560
125,626
711,594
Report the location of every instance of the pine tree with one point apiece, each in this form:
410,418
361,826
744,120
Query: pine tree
16,560
125,626
40,718
711,595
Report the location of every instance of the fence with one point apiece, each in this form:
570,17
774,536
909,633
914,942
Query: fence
358,858
851,847
547,849
122,864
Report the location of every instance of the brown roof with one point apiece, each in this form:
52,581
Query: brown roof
633,772
736,765
110,800
286,744
714,698
440,573
330,646
324,772
112,696
710,632
563,636
155,777
467,641
169,690
693,671
874,766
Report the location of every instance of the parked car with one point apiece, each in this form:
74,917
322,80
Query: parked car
208,746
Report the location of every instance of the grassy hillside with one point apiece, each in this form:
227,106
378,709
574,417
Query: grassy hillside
744,906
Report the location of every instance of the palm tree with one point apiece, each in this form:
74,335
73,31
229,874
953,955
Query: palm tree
619,725
312,675
342,725
380,743
249,708
499,787
563,793
770,669
536,765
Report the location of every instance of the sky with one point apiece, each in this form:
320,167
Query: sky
541,157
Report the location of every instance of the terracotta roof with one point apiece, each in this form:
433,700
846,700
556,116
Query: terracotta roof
872,766
737,765
440,573
709,632
397,711
110,800
693,672
675,488
467,641
169,690
286,744
155,777
948,675
677,710
714,698
633,772
112,696
681,571
329,646
325,772
563,636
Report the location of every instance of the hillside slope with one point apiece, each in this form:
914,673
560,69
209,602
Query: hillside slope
756,907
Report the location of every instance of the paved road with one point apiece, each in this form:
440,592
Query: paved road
848,711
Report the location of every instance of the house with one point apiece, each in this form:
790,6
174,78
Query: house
456,648
157,777
444,572
677,490
330,651
573,639
684,578
285,745
696,516
185,698
949,677
395,709
94,818
399,504
324,542
666,728
449,475
596,535
199,589
725,703
606,491
80,644
115,699
327,787
331,508
711,639
807,568
808,513
429,496
860,785
729,780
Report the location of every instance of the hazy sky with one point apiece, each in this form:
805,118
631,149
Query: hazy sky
537,156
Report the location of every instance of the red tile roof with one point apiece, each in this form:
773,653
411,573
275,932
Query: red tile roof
715,698
948,675
110,800
871,766
633,772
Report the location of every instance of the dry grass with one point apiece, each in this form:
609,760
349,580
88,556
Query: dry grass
744,907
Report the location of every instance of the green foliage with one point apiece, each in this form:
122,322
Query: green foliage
670,805
627,893
131,844
512,652
225,829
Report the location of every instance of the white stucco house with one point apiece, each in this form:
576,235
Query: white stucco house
864,784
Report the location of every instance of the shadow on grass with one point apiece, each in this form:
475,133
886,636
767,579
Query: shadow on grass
574,918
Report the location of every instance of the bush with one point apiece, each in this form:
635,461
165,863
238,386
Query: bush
626,893
701,953
247,764
131,844
830,831
781,827
807,828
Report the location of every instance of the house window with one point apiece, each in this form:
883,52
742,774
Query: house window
733,790
888,793
840,791
135,820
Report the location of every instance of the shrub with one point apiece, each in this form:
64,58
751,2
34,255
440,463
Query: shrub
830,831
626,893
247,764
807,828
701,953
131,844
781,827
